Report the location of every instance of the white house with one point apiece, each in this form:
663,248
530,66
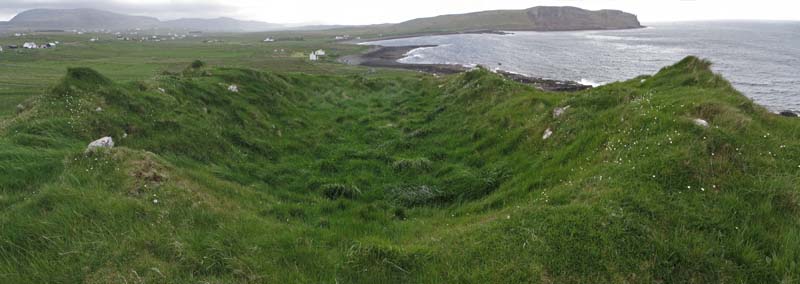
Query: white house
313,57
320,52
30,45
269,39
1,49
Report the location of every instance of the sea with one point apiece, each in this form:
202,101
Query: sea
761,59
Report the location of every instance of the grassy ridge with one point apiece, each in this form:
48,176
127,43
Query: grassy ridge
402,178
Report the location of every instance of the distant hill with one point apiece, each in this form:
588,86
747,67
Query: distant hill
98,19
220,24
532,19
79,19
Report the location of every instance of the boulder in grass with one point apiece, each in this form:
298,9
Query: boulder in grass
788,113
559,111
547,134
105,142
700,122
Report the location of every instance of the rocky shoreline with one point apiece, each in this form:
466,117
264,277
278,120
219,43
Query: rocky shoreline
387,56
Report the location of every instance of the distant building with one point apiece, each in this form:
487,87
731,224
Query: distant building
320,52
30,45
269,39
13,46
342,37
313,57
93,39
1,49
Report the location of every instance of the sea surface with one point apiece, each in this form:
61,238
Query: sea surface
761,59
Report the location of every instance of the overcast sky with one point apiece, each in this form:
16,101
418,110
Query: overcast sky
377,11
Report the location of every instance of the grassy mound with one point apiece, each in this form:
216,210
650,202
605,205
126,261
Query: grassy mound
408,178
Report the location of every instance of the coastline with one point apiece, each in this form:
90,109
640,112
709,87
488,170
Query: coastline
485,31
388,56
402,36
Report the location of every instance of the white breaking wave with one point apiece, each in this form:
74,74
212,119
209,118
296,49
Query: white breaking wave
588,82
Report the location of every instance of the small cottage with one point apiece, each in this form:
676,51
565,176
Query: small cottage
269,39
313,57
29,45
320,52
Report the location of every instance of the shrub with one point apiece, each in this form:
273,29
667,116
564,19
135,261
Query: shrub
197,64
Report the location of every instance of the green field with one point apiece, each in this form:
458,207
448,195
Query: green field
30,72
325,173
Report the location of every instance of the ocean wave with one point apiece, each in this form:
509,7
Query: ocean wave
584,81
615,38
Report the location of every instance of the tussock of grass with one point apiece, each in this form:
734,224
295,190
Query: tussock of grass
413,164
415,195
335,191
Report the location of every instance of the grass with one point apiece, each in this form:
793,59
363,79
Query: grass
24,73
385,176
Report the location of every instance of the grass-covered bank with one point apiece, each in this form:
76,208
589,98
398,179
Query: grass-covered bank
397,178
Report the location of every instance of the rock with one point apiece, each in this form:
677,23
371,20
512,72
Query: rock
105,142
545,84
233,88
547,134
559,111
788,113
700,122
20,108
162,90
98,109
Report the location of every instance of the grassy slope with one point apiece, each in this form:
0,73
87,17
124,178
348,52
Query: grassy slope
402,178
488,20
24,73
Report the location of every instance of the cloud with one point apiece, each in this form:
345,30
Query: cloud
374,11
165,10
